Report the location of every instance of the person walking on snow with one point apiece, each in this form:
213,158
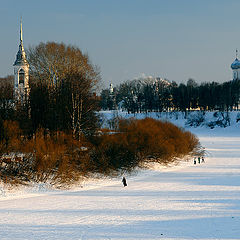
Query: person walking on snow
124,181
199,160
194,161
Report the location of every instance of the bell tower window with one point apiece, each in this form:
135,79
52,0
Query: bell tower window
21,76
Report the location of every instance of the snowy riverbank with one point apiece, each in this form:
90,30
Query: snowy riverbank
179,119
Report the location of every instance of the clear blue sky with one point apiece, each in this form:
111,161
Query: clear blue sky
174,39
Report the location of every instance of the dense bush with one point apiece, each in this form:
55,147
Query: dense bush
53,157
222,119
195,119
138,141
58,158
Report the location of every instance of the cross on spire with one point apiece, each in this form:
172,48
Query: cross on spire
236,53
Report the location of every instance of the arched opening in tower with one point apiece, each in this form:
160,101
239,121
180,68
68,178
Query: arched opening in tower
21,77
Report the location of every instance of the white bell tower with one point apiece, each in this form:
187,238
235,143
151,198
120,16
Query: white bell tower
21,71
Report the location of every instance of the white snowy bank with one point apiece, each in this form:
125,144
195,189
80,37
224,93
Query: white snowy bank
178,118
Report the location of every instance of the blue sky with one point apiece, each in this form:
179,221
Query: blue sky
174,39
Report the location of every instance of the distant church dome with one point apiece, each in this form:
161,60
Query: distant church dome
235,64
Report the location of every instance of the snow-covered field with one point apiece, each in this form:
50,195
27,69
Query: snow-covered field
181,202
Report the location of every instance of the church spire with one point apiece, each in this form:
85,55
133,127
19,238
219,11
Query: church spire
21,55
21,31
21,70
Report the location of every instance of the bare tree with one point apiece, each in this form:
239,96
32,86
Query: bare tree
71,80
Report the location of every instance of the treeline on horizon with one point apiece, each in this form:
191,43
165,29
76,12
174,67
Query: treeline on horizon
54,134
146,96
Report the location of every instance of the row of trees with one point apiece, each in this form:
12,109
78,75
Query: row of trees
143,96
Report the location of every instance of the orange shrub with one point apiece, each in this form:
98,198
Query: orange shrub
138,141
11,136
58,158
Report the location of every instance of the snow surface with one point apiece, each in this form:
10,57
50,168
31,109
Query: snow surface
181,202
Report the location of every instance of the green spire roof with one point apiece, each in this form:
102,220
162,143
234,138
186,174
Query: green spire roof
21,55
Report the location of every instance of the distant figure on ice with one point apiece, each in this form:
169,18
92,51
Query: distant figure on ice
199,160
203,160
124,181
194,161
